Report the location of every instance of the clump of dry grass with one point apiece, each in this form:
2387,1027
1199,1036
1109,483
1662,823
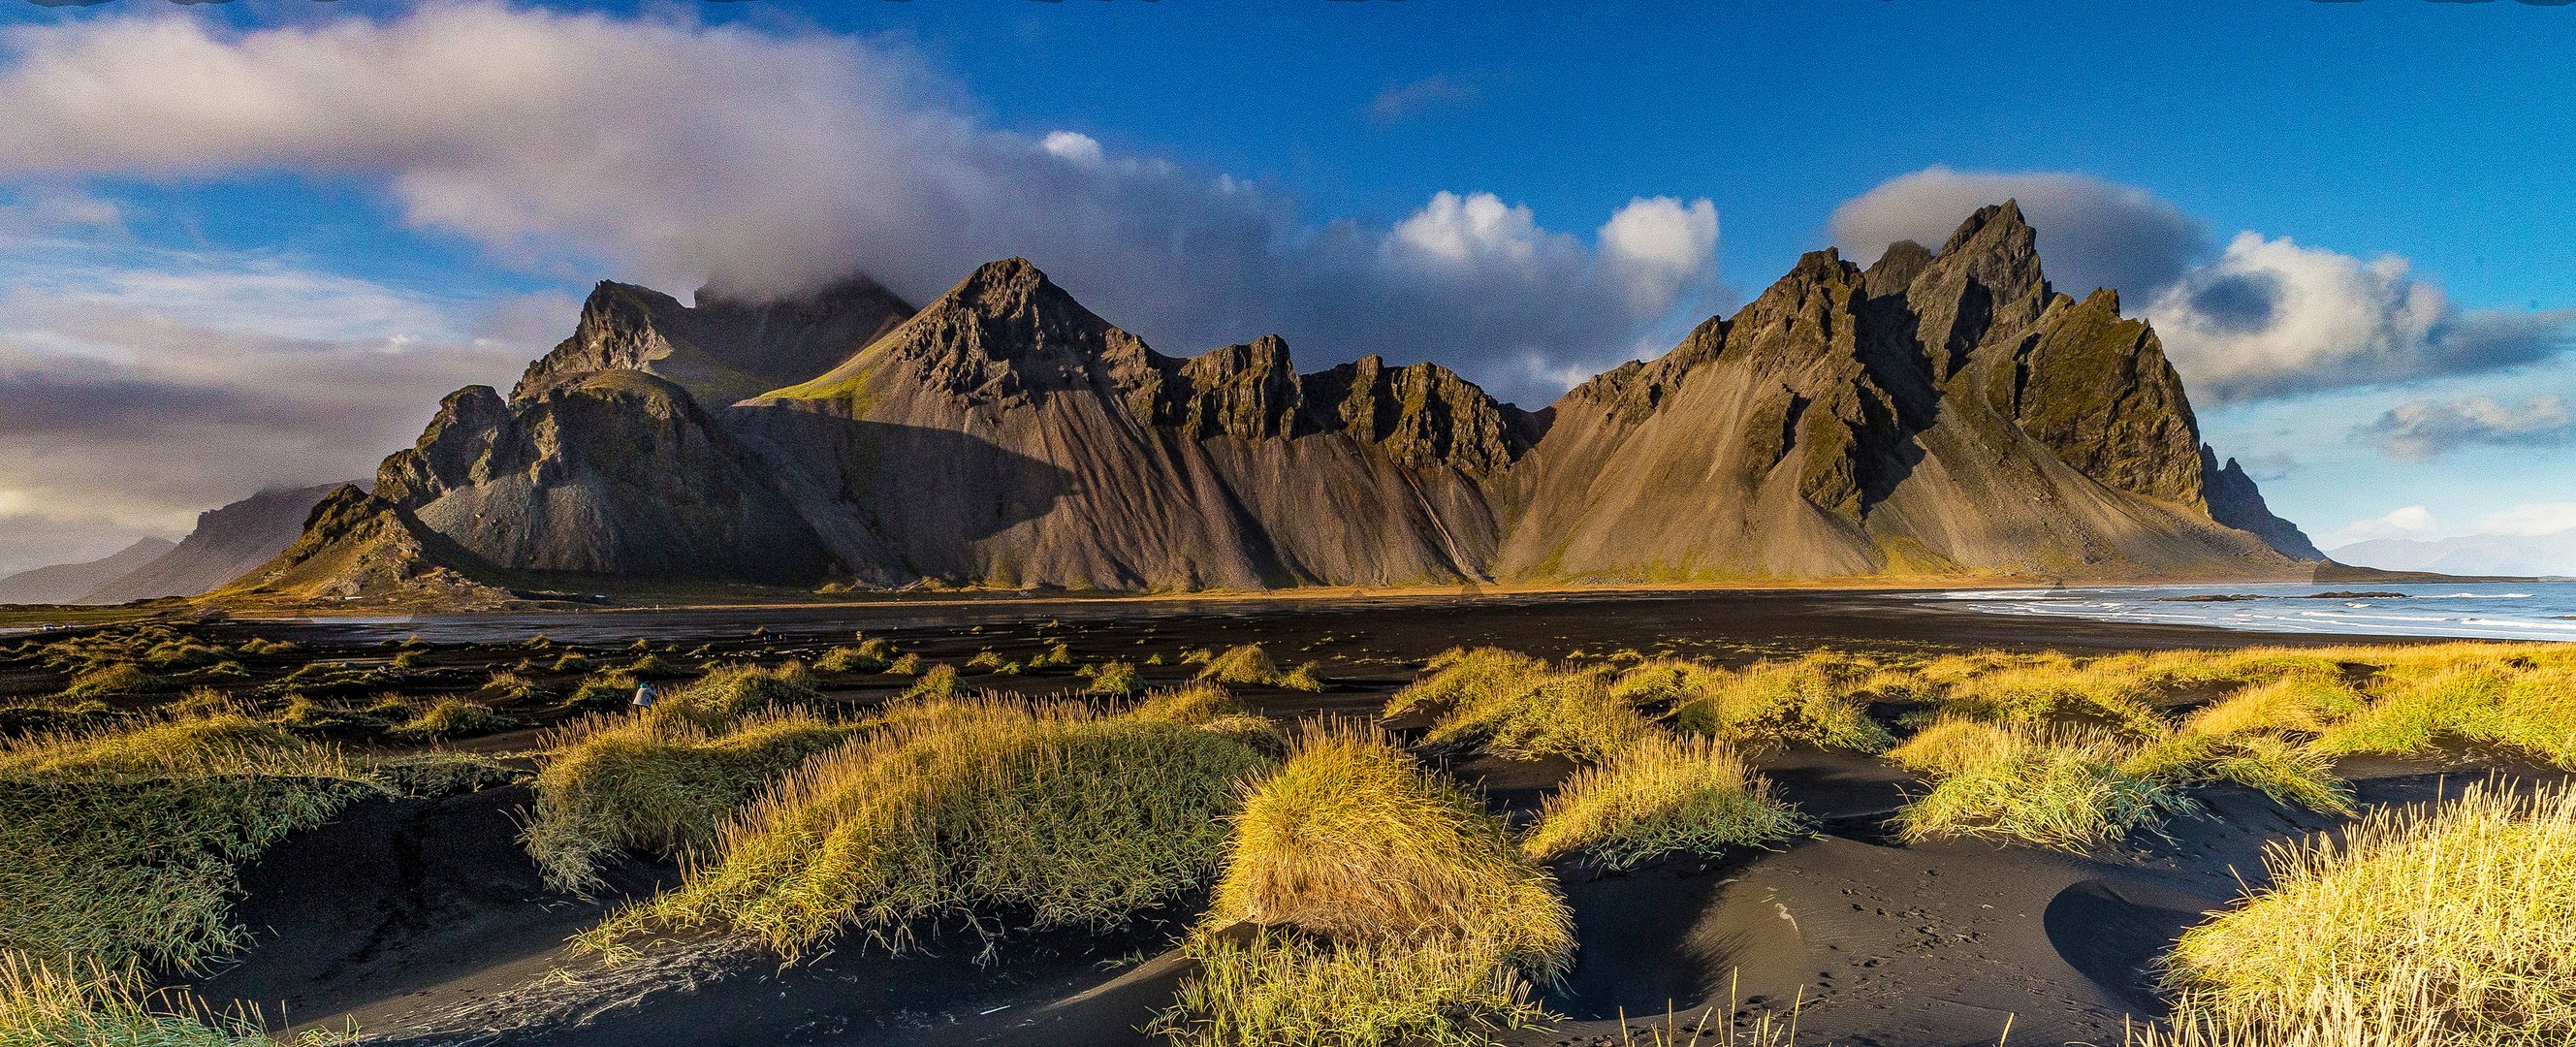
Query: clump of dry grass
970,812
450,717
2455,924
662,779
868,656
936,683
1113,678
123,844
110,681
2055,787
1661,796
77,1005
2293,704
2532,708
1250,665
1819,700
1520,707
2057,689
1365,902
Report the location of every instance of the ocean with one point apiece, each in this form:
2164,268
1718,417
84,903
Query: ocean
2486,610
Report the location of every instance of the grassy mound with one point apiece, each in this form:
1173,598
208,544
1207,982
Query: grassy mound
980,812
2453,924
2302,704
1365,902
2061,787
1249,665
1664,795
124,846
2526,707
1820,701
1520,707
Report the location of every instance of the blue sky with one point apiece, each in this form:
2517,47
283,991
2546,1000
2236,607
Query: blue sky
2405,168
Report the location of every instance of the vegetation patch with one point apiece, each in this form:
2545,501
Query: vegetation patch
1520,707
1658,797
1365,902
124,845
984,813
1821,701
2451,924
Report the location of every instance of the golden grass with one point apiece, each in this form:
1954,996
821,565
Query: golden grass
868,656
2051,786
2530,708
2299,704
1819,700
1365,902
984,813
935,683
449,717
46,1004
1519,707
123,845
1661,796
2456,920
1113,678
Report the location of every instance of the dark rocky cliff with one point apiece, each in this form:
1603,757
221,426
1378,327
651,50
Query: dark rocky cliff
1941,412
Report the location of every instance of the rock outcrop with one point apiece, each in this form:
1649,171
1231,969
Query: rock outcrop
358,549
1940,412
2236,502
226,543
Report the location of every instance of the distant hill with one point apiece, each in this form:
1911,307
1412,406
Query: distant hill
69,583
226,543
1938,413
2516,555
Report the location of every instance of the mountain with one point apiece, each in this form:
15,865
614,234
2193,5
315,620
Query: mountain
1937,413
68,583
226,543
2515,555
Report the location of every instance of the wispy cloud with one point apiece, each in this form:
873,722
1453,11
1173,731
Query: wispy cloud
1402,102
2420,429
2413,521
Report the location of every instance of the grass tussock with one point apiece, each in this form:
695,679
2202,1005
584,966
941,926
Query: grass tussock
2303,704
92,1006
2494,701
1117,679
2054,787
2454,923
984,813
1520,707
1820,700
937,683
1366,902
1662,796
450,718
124,845
867,656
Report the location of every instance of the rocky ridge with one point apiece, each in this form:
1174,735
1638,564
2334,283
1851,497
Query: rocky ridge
1938,413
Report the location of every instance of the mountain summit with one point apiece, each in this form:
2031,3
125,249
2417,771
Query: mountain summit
1937,413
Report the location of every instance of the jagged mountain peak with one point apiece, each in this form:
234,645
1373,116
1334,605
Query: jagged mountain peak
723,349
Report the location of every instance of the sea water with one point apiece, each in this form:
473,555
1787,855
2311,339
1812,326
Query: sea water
2488,610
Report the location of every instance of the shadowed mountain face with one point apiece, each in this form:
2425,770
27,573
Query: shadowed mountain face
1941,412
226,542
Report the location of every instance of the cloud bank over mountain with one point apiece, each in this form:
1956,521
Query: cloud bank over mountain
2260,318
671,153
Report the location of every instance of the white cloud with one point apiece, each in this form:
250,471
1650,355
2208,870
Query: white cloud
1075,146
2535,518
668,152
1660,247
2092,233
2413,521
2270,318
2420,429
2263,318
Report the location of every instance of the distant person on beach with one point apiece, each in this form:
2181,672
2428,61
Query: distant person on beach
645,694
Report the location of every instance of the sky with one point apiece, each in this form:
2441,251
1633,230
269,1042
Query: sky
251,244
